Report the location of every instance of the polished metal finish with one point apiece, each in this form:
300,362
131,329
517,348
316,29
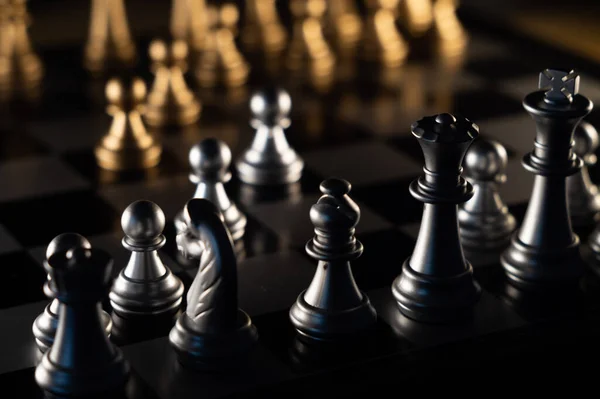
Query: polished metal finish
45,325
485,221
436,283
545,251
210,160
145,286
333,306
270,160
583,196
82,362
213,333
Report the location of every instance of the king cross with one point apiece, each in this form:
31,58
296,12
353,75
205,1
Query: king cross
560,85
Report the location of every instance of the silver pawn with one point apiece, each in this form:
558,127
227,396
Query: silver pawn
270,160
145,286
485,221
584,200
45,325
210,160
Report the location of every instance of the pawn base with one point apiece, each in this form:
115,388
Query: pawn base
485,232
45,326
128,158
74,382
219,351
131,298
531,267
269,174
324,324
433,299
172,115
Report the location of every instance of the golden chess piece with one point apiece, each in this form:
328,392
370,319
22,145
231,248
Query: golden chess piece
188,23
262,29
109,41
309,52
382,42
170,101
221,63
127,145
451,37
417,16
346,23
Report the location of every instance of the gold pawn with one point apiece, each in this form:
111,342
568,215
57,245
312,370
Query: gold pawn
127,145
109,40
346,23
381,41
170,102
262,28
308,50
188,23
221,63
450,34
417,16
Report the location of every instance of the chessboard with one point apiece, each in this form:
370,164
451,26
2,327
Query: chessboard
356,130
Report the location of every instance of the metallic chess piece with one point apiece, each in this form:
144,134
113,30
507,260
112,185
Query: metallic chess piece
417,15
210,160
270,160
545,252
145,287
82,362
109,44
333,306
262,30
170,102
382,42
484,220
213,332
309,53
584,199
436,283
450,35
127,145
188,23
21,70
221,63
45,325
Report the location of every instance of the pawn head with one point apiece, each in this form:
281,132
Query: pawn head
210,159
485,160
66,241
270,106
124,93
586,140
160,52
143,221
335,209
308,8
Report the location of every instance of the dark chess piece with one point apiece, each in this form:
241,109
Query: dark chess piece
545,250
436,283
485,222
333,306
146,286
209,161
45,325
213,333
584,199
270,160
82,362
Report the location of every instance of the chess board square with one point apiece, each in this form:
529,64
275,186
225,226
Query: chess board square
482,47
156,363
490,315
78,211
7,242
280,337
71,134
34,177
514,132
15,144
19,350
23,278
273,282
362,164
478,105
291,221
382,259
84,162
501,69
392,201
